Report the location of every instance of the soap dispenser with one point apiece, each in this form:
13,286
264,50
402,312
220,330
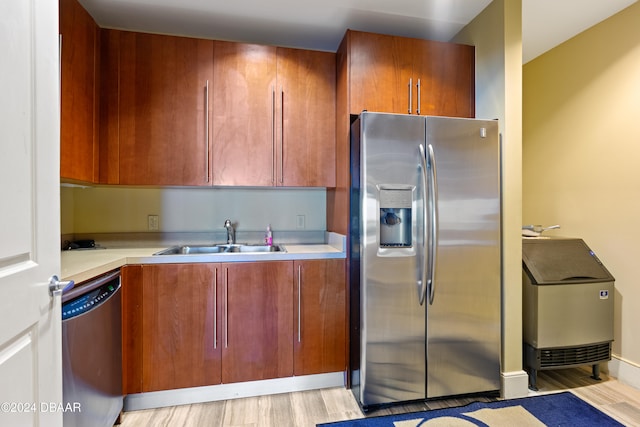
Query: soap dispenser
268,236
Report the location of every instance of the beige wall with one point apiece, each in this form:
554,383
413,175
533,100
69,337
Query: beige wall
582,155
497,35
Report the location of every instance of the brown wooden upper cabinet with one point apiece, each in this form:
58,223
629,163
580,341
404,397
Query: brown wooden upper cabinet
307,113
79,66
410,76
244,114
273,116
157,107
182,111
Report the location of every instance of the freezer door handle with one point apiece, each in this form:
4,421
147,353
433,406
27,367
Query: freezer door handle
422,271
433,236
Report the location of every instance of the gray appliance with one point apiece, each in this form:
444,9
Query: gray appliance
425,257
567,306
92,353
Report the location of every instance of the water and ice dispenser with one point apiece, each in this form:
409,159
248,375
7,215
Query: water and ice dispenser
395,217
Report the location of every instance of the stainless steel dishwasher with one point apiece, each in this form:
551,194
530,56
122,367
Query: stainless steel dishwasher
92,352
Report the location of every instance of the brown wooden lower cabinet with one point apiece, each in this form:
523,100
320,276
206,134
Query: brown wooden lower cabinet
320,300
168,327
197,324
258,321
178,320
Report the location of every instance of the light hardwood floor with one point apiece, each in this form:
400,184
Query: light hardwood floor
306,409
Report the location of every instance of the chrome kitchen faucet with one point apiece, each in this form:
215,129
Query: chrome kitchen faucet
231,232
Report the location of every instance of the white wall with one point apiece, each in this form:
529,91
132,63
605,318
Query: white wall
582,156
123,209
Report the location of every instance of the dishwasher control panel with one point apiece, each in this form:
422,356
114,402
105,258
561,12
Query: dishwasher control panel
90,300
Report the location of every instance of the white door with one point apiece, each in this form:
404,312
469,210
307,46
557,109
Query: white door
30,319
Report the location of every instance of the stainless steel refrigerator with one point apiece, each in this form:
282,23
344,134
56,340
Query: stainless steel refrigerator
425,257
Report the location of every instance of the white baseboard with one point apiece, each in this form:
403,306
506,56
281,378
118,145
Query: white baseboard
624,371
515,384
185,396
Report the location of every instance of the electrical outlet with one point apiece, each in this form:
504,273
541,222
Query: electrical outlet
153,222
300,220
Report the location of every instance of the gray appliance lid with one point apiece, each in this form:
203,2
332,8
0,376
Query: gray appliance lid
562,261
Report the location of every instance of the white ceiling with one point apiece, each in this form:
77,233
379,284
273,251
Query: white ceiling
548,23
321,24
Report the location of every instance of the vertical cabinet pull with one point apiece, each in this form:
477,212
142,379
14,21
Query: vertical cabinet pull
418,90
226,308
215,308
273,135
299,303
410,94
282,135
60,69
206,133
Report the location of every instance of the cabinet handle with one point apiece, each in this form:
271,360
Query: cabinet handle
215,308
273,135
226,308
299,302
419,89
282,137
60,69
206,132
410,94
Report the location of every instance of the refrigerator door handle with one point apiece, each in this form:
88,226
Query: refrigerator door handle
433,236
422,281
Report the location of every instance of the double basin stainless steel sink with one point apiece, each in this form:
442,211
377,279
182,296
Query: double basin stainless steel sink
220,249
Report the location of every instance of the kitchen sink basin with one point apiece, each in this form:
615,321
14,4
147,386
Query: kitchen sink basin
219,249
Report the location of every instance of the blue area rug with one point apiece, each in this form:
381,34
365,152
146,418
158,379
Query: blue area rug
557,410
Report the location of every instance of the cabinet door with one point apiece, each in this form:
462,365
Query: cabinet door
244,114
164,109
447,78
306,118
380,72
78,121
258,311
320,313
180,326
132,335
109,120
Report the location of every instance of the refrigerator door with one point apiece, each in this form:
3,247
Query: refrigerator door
463,317
392,325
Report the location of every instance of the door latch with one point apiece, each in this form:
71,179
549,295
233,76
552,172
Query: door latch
58,287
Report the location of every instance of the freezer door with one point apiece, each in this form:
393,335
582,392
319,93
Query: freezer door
463,321
392,363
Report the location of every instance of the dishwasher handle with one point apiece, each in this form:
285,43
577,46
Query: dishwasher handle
91,285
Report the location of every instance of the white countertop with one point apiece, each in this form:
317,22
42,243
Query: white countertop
82,265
